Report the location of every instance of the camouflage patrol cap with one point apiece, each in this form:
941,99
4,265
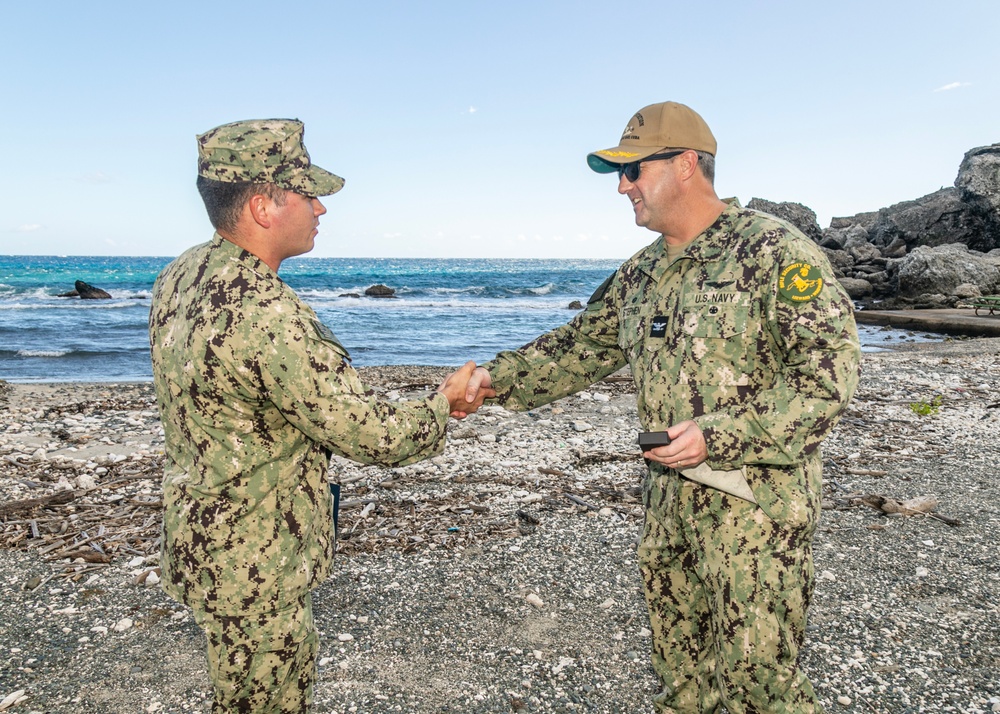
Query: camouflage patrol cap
263,151
652,129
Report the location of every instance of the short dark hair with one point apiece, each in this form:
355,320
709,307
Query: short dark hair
224,200
707,164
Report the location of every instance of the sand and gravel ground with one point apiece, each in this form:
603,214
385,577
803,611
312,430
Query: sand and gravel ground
500,577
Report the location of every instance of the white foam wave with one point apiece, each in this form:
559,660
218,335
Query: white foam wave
486,305
74,304
494,293
42,353
542,290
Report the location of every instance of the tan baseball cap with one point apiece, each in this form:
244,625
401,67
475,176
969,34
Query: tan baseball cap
264,151
653,129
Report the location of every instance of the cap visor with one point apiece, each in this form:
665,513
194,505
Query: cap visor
324,183
596,163
605,161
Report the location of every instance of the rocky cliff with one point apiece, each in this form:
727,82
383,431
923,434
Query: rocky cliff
934,251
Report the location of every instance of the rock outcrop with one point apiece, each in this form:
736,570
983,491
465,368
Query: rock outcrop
86,292
979,181
933,251
800,216
943,269
380,291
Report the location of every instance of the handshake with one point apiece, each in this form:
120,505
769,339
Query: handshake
466,388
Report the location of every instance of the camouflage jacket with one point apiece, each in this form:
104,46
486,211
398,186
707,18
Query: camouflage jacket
747,333
255,393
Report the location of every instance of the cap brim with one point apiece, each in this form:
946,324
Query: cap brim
322,182
596,163
607,161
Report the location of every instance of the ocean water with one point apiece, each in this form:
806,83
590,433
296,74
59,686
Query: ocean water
447,311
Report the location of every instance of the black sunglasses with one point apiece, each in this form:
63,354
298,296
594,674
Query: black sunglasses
631,171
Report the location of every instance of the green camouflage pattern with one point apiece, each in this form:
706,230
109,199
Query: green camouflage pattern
264,664
693,556
264,151
710,337
255,394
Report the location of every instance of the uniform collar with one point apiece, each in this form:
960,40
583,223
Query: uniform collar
228,250
711,244
717,240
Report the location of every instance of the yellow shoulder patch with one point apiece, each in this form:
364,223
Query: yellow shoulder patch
800,282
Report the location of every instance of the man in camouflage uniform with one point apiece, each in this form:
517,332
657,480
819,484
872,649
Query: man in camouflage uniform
744,350
255,394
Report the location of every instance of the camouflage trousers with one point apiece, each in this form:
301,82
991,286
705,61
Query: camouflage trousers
264,664
727,591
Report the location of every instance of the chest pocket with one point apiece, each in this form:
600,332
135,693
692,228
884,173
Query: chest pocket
716,315
632,330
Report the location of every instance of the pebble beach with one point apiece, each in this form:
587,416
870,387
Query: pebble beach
500,576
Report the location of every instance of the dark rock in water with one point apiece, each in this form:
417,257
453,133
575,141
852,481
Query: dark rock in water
351,295
576,305
802,217
380,291
86,292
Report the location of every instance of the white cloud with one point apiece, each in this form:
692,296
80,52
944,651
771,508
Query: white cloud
392,235
953,85
96,177
470,110
27,228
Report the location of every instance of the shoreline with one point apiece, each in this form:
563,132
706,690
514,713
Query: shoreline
428,609
897,328
956,322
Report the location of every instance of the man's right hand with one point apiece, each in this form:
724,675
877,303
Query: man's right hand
462,383
479,388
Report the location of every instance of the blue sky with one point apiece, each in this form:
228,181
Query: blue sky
462,127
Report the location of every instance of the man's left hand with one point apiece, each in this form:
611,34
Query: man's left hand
686,449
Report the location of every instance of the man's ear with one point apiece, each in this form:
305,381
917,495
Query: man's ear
259,206
687,163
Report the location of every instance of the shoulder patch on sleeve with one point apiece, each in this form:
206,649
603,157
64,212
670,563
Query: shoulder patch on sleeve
601,289
325,334
800,282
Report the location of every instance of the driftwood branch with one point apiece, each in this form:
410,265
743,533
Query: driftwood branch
580,502
551,472
29,504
